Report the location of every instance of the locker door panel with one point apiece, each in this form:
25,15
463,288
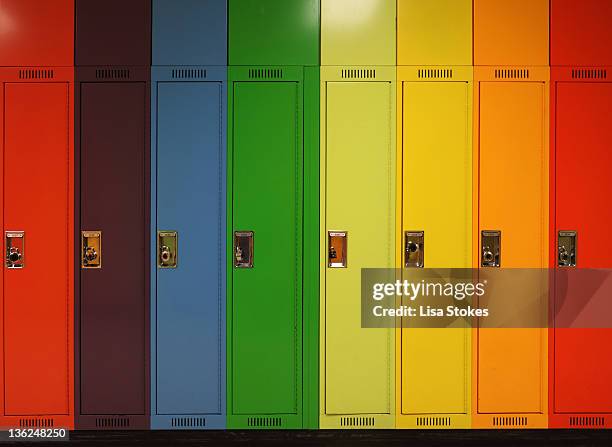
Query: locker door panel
36,200
267,199
361,200
436,153
113,198
190,200
512,199
582,361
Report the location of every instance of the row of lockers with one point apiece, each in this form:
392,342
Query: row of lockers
199,289
305,32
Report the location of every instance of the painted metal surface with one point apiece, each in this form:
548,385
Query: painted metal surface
358,197
188,196
189,32
434,32
511,139
434,134
271,312
358,32
275,32
36,198
113,123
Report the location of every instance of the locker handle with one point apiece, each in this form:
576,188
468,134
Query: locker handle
91,249
15,249
244,249
414,249
567,249
337,245
167,249
491,248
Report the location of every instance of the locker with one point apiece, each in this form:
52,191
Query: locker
113,144
511,32
37,220
580,32
276,32
437,32
113,32
434,132
272,238
580,396
358,32
36,33
189,32
511,140
357,202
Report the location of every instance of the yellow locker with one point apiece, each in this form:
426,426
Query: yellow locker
435,155
358,32
358,209
434,32
511,146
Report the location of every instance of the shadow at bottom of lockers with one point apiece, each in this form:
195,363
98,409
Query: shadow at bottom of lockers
342,438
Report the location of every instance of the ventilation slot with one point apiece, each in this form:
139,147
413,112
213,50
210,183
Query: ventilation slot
113,73
589,74
189,422
587,421
27,423
510,421
435,73
433,422
112,422
36,74
512,74
357,422
264,422
359,74
265,73
189,73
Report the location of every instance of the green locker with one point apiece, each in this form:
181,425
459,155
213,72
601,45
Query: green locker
273,224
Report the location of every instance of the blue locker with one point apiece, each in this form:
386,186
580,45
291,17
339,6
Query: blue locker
188,215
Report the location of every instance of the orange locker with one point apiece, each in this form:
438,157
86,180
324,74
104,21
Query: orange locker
511,202
37,213
511,32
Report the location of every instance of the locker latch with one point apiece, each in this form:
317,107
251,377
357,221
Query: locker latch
91,249
337,249
567,249
167,249
491,249
414,249
15,249
243,249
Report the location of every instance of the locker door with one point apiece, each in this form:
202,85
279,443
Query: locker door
266,331
360,199
36,201
583,366
437,152
113,200
512,199
190,201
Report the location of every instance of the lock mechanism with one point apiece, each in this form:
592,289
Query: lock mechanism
567,249
414,249
167,249
491,248
91,249
337,249
243,249
15,249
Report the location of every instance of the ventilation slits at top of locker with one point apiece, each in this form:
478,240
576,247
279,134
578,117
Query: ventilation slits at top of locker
358,32
36,33
580,32
511,32
113,32
189,32
434,32
274,32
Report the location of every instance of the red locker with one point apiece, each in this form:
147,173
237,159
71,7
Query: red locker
580,32
580,395
36,286
36,33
